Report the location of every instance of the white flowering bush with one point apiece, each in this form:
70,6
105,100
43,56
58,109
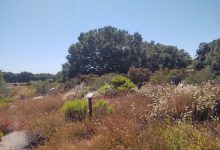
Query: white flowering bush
187,103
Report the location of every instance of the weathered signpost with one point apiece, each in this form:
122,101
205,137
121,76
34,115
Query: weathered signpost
89,97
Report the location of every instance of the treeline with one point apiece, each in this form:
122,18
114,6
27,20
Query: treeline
112,50
109,49
208,56
10,77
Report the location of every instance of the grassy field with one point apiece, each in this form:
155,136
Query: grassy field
152,117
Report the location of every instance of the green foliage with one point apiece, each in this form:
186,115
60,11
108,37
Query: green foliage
117,84
156,55
100,107
26,77
3,89
200,76
139,75
100,103
186,137
110,109
104,50
75,110
5,103
1,134
208,55
6,100
107,89
109,49
122,83
97,82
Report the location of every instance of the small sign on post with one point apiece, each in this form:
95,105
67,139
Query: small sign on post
89,97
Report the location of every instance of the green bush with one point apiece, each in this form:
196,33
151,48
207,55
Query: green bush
108,90
200,76
98,82
110,109
4,91
75,110
186,137
164,76
100,107
139,75
122,83
6,100
117,84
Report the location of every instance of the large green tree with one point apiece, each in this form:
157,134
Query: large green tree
109,49
159,55
102,51
208,55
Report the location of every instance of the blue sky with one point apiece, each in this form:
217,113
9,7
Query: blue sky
35,34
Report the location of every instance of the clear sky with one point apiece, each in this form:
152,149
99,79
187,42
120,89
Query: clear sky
35,34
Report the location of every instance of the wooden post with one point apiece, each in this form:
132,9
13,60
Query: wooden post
90,106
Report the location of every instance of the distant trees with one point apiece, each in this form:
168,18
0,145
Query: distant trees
3,89
25,77
208,56
109,49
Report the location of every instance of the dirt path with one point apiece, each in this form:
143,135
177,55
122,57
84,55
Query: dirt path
14,141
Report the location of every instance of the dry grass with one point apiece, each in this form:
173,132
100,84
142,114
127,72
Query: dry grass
154,118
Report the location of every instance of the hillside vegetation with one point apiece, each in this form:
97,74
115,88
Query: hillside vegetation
145,96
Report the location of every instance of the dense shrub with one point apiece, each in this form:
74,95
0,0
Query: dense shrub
186,137
200,76
75,110
42,128
122,83
5,103
117,84
164,76
160,77
205,103
3,90
100,107
42,87
139,75
108,90
97,82
177,75
22,92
